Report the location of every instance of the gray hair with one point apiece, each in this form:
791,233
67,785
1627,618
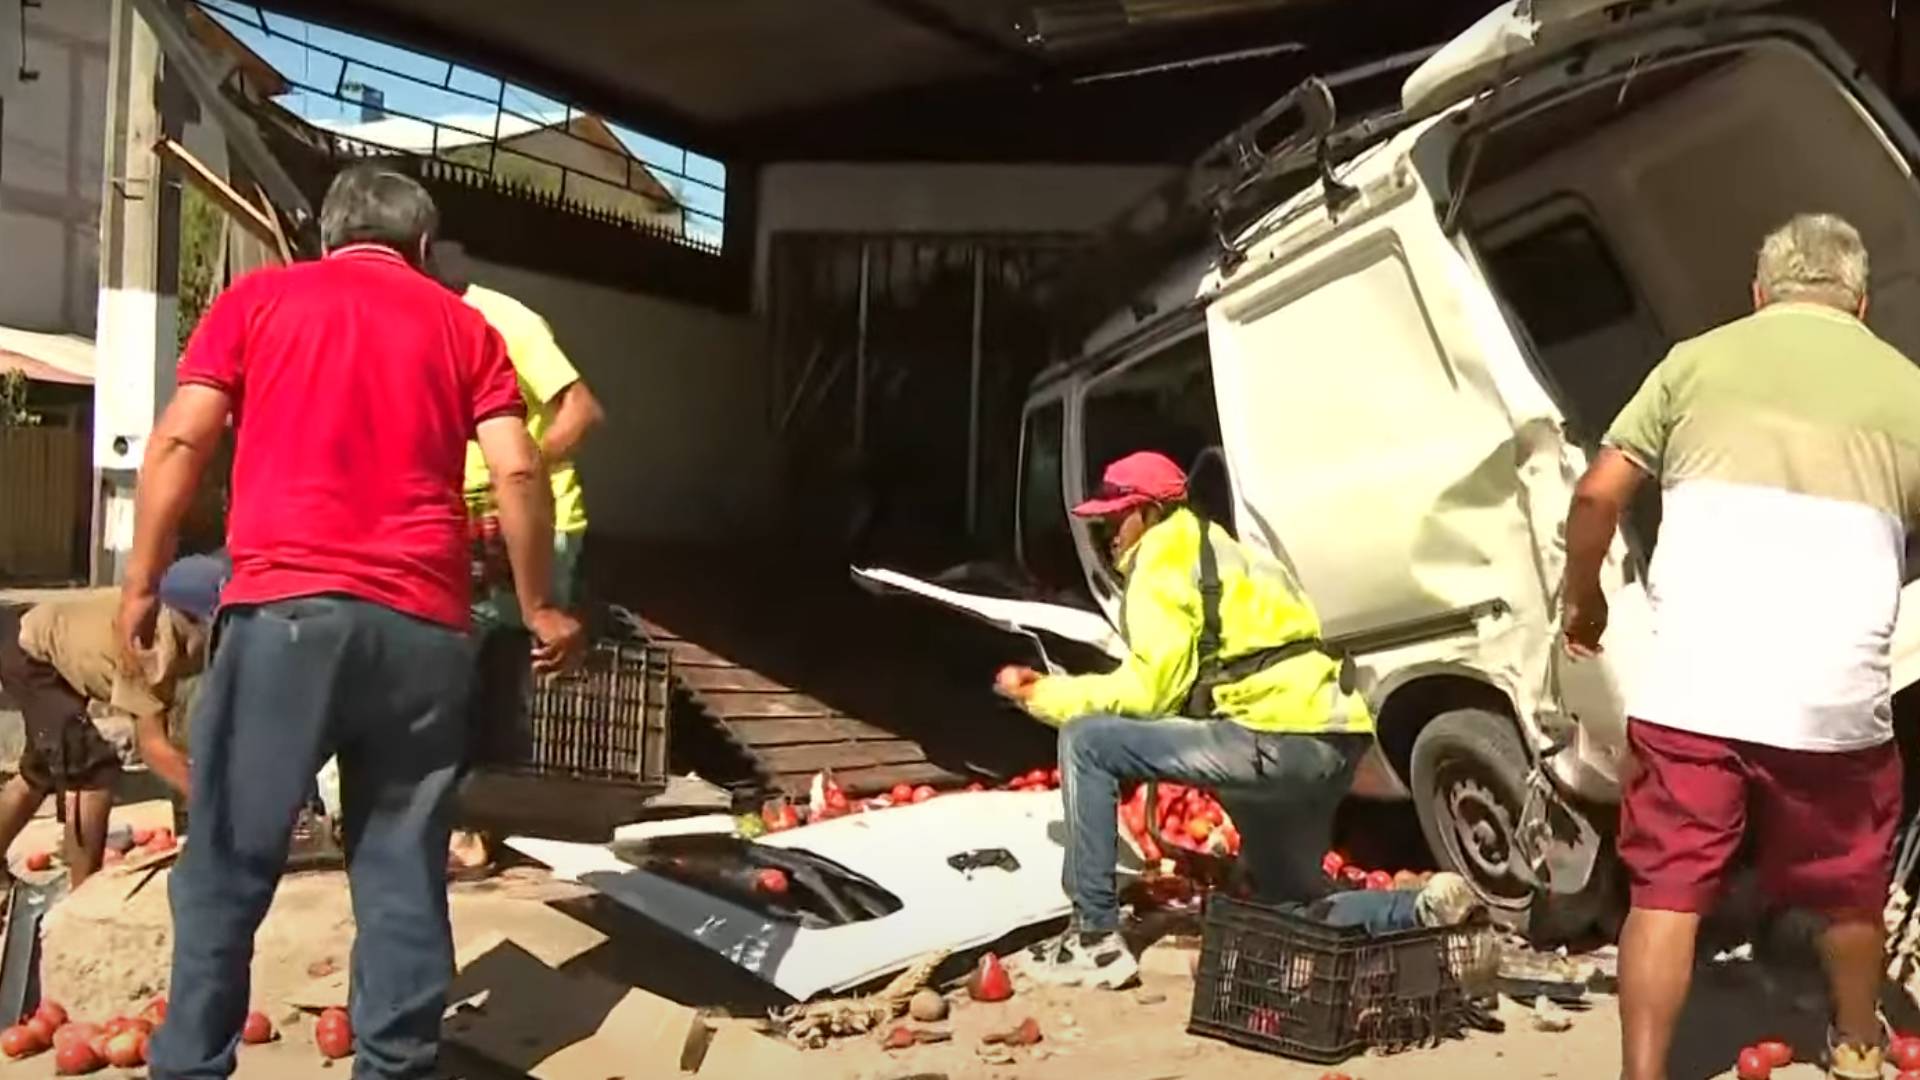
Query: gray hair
1817,258
370,203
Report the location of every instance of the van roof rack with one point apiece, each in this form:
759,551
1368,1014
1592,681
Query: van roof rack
1233,179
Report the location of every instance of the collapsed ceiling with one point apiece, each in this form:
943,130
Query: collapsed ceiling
913,79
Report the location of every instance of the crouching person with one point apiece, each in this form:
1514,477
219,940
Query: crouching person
1226,685
58,657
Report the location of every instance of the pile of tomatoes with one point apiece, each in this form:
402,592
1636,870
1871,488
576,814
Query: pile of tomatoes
1187,817
828,800
1342,872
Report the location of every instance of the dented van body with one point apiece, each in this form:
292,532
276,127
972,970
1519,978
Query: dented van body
1392,378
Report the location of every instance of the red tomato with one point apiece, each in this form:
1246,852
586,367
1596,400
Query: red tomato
124,1051
156,1011
1199,828
39,861
1753,1065
1908,1074
771,880
976,786
1136,820
1053,777
141,836
20,1041
836,799
779,817
76,1059
53,1013
1353,875
258,1029
923,793
76,1033
42,1030
333,1034
1904,1052
1332,863
901,794
1379,880
1232,836
1777,1053
162,840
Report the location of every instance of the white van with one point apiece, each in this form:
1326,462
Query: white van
1408,358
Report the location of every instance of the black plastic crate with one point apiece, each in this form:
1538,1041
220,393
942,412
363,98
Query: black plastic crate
1280,982
605,721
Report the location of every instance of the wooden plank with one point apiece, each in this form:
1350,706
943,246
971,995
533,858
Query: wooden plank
836,756
687,654
728,679
237,206
744,705
818,729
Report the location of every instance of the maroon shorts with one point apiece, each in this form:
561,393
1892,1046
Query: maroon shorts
1823,823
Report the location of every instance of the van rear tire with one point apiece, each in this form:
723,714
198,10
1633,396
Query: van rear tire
1469,782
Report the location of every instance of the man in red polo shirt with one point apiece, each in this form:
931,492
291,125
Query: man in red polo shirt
355,383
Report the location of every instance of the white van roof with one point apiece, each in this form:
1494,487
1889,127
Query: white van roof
1518,32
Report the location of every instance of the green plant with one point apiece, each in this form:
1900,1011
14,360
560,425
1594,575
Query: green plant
13,401
201,236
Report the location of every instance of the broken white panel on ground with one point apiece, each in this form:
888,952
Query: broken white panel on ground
904,850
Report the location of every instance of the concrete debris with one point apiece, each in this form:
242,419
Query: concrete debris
1550,1017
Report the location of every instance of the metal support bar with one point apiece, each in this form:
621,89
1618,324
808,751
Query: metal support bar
973,389
860,352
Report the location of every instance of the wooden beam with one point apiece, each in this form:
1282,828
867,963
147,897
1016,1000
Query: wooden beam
237,206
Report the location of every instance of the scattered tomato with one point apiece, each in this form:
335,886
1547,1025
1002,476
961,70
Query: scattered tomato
989,981
976,786
780,816
1379,880
1904,1052
21,1041
39,861
76,1059
333,1034
1776,1051
1332,862
124,1051
1264,1022
771,880
258,1029
42,1030
141,836
1353,875
112,858
923,793
1053,777
1908,1074
1199,828
1753,1065
76,1033
155,1012
1232,836
901,794
1034,776
162,840
53,1013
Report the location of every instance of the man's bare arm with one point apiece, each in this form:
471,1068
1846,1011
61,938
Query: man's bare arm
1599,500
525,501
182,443
577,413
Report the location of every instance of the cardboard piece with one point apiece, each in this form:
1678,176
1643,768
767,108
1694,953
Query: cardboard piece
555,1026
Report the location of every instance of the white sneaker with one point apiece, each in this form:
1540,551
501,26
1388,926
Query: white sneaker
1447,900
1084,958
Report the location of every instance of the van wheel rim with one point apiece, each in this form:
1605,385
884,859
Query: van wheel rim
1479,839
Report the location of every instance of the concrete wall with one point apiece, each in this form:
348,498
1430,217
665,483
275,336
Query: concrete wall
951,198
685,453
51,142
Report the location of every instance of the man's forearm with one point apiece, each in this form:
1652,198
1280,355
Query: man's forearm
1591,525
525,501
579,412
169,477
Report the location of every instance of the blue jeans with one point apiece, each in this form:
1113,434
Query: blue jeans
293,683
1282,791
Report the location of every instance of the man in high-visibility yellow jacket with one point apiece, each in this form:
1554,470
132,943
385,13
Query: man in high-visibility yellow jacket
1226,685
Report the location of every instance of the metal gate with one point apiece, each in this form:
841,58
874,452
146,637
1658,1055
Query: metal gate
900,364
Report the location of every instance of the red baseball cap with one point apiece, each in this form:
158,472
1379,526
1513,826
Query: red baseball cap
1135,480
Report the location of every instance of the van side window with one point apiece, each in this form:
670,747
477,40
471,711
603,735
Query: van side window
1164,402
1562,280
1047,551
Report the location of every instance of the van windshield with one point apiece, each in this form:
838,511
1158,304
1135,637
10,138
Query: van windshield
1620,219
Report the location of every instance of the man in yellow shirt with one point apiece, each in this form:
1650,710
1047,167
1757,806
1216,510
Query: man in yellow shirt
561,410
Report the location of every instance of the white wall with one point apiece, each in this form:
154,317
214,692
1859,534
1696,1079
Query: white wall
685,453
52,139
829,197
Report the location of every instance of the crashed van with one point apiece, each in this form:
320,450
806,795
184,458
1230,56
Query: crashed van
1391,373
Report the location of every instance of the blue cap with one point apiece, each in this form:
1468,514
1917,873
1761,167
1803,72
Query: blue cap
192,585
